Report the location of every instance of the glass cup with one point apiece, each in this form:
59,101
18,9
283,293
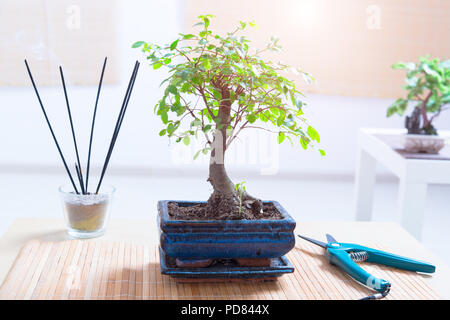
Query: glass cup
86,215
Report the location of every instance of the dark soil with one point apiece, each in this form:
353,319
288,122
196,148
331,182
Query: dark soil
209,210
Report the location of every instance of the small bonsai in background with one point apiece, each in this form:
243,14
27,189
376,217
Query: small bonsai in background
428,86
219,87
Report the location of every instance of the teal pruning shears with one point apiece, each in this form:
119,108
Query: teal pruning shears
345,256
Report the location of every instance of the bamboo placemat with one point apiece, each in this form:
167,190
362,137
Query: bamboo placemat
112,270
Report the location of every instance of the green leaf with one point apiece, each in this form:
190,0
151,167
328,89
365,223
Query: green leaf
207,128
206,20
164,116
186,140
281,137
399,65
188,36
171,129
172,89
304,142
399,107
430,71
162,132
322,152
157,65
138,44
307,77
197,154
174,44
313,134
290,140
251,118
403,65
206,64
298,103
281,119
196,123
263,117
185,87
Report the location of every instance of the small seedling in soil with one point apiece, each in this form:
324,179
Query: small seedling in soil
240,189
218,86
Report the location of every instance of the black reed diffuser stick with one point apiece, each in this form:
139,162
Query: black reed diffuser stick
93,124
80,179
73,130
121,115
50,127
118,123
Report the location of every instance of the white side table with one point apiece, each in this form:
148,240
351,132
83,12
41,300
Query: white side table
378,145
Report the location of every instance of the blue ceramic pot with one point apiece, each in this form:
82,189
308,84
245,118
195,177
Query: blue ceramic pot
224,239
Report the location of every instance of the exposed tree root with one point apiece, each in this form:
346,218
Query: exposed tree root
231,207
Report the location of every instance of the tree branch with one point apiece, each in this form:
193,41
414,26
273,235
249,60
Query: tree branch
439,112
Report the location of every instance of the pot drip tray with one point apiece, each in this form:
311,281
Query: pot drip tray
224,270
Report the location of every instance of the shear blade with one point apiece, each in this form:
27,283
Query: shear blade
316,242
330,238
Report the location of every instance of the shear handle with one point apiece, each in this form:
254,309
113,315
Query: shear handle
393,260
341,259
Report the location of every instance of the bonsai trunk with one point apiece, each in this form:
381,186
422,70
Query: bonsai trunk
427,126
423,110
217,173
225,201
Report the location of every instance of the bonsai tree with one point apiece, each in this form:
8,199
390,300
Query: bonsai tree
428,86
219,87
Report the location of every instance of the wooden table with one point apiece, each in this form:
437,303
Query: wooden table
388,234
379,146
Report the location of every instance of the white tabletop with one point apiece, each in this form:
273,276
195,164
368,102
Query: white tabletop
394,138
379,146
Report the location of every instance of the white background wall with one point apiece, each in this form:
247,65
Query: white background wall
26,144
